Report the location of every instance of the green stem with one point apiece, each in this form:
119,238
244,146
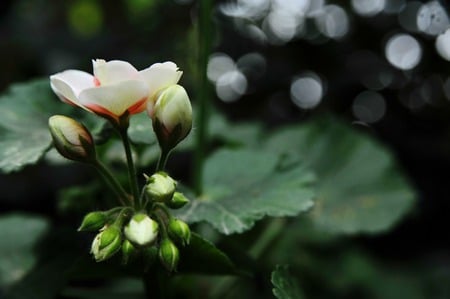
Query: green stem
162,161
142,199
131,168
112,182
204,90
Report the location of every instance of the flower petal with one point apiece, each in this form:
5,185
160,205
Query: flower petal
159,76
116,99
113,71
68,85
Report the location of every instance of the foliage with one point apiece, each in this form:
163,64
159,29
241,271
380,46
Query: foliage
244,183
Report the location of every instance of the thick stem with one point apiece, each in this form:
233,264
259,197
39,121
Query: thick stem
131,168
204,90
112,182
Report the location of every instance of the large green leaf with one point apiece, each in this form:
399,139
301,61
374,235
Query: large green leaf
360,188
243,186
285,286
24,112
19,234
23,124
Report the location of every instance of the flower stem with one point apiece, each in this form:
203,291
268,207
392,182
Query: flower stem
162,161
112,182
131,168
204,90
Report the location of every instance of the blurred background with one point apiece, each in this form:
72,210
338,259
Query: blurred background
375,63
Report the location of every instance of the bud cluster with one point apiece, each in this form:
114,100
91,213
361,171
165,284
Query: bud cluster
152,233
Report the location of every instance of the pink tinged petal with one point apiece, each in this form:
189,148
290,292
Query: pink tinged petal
68,85
159,76
115,100
114,71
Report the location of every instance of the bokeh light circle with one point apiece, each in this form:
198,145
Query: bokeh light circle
369,106
307,91
403,51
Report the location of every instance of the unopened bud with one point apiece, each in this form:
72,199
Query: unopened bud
106,243
172,116
179,231
168,254
177,201
72,139
93,221
160,187
141,230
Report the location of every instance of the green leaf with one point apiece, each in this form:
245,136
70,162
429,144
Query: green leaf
285,286
360,188
20,234
243,186
24,112
201,256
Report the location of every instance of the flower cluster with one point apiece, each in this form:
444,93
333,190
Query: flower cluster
143,223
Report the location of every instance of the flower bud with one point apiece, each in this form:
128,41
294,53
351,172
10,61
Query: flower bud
141,230
128,251
93,221
106,243
72,139
160,187
168,254
179,231
177,201
172,116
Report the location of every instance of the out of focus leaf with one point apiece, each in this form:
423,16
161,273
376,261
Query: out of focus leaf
360,188
141,129
19,234
24,112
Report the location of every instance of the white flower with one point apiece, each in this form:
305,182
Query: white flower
115,88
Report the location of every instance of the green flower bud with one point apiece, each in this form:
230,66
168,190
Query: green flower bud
72,139
141,230
93,221
172,116
168,255
177,201
160,187
179,231
106,243
128,251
